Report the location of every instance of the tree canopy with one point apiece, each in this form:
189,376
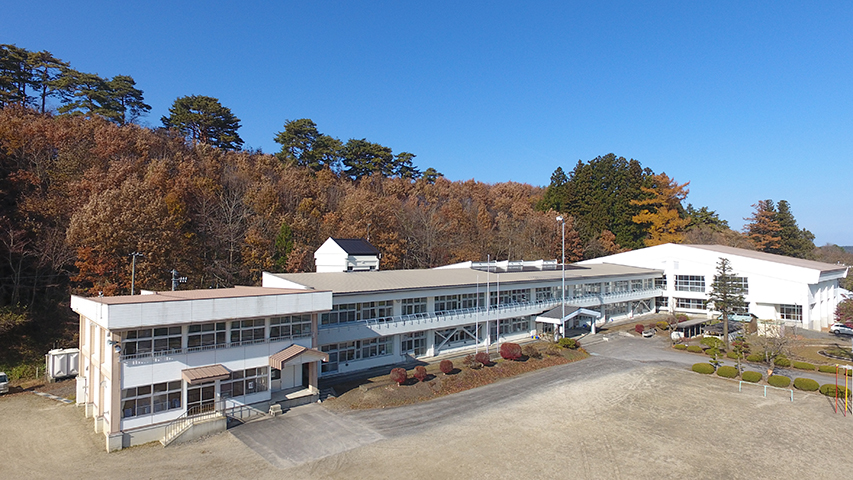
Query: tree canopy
663,213
726,294
773,229
203,119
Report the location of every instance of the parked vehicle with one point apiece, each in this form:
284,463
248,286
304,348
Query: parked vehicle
841,329
4,383
739,317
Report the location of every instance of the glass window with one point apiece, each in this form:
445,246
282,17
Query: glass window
690,303
290,326
149,399
690,283
247,331
791,312
446,303
203,336
414,343
413,306
342,313
244,382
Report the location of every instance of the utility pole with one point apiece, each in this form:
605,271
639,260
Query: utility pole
176,279
563,287
133,271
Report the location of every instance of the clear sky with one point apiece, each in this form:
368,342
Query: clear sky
746,100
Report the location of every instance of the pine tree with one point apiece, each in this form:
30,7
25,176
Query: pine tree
794,242
204,120
763,227
726,294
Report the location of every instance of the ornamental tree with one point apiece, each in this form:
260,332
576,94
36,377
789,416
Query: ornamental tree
510,351
726,294
844,310
399,375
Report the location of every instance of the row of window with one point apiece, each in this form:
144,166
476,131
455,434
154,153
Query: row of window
357,350
696,283
203,336
150,399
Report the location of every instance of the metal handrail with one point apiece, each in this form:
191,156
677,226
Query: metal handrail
181,351
194,414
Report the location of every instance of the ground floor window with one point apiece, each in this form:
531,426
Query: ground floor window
244,382
149,399
456,336
357,350
662,302
618,309
791,312
691,303
414,343
377,347
201,398
514,325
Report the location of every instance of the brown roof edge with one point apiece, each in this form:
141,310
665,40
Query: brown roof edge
280,359
208,373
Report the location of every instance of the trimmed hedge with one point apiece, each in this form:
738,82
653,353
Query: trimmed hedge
755,357
420,373
570,343
806,384
829,390
781,362
732,355
705,368
680,346
483,358
399,375
803,366
510,351
752,377
727,371
831,369
694,349
780,381
446,366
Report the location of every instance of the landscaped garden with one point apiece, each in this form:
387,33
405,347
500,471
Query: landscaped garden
425,382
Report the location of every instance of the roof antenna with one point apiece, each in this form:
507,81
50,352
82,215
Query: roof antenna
176,279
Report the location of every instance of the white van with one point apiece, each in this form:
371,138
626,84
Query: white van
4,383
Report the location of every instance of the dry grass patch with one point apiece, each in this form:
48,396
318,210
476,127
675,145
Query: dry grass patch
381,392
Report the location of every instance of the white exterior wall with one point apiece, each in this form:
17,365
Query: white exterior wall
771,284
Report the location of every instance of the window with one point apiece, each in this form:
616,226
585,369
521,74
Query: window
244,382
377,347
791,312
738,282
618,309
348,351
291,326
371,310
660,283
637,285
662,302
446,303
691,303
452,336
414,305
200,398
414,343
149,399
160,341
204,336
544,293
690,283
342,313
472,300
514,325
247,332
591,288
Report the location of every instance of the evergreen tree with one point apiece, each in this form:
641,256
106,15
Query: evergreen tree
204,120
47,69
726,294
15,75
704,217
362,158
763,227
794,242
302,144
126,99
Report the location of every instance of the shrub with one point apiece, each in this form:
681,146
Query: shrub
806,384
552,349
680,347
727,371
399,375
531,351
510,351
483,358
682,317
446,366
694,349
803,366
755,357
639,328
705,368
420,373
829,390
475,365
831,369
780,381
662,325
781,362
568,343
732,355
752,377
468,360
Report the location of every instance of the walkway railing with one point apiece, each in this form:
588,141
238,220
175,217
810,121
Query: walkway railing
198,413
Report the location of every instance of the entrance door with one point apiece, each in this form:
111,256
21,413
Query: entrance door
201,398
306,374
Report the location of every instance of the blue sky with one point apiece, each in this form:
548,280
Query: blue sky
746,100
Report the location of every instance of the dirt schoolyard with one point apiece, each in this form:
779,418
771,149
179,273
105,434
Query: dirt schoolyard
606,419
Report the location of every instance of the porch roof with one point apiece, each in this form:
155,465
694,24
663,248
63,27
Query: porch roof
294,352
207,373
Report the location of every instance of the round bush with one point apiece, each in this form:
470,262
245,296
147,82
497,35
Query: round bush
803,366
510,351
780,381
732,355
662,325
806,384
752,377
694,349
568,343
727,371
639,328
483,358
680,347
755,357
829,390
705,368
446,366
781,362
831,369
399,375
420,373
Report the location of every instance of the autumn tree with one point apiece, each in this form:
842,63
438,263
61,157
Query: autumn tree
662,212
203,119
763,228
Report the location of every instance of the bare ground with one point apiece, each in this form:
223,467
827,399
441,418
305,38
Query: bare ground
630,421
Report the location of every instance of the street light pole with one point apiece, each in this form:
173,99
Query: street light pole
133,271
563,287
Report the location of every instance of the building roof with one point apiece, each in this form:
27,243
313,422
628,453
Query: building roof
356,246
207,373
280,359
770,257
200,294
420,279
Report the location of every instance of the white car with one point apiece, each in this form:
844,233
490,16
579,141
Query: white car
4,383
841,329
